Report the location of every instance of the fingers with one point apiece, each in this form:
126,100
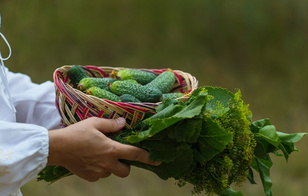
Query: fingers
93,175
121,169
105,174
118,168
108,125
133,153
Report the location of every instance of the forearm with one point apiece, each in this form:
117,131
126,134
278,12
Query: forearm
58,142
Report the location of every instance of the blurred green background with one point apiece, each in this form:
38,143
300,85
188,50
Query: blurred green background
259,47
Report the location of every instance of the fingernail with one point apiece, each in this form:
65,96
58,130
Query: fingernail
120,121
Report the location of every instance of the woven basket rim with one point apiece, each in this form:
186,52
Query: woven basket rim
101,68
78,98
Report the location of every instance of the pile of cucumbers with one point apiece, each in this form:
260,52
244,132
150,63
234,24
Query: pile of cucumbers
126,85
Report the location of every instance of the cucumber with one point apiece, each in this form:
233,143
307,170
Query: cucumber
88,82
129,98
101,93
163,81
142,77
76,73
172,95
141,92
130,80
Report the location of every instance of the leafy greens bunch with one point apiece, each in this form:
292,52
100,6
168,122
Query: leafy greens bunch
208,141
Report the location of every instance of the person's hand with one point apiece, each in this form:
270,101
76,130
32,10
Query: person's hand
84,150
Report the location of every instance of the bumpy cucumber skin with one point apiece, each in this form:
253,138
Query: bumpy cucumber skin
172,96
101,93
142,77
163,82
130,80
141,92
128,98
88,82
76,73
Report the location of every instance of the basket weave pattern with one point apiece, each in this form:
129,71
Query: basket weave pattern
74,105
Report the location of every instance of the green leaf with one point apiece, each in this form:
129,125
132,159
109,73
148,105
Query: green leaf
290,138
165,150
269,134
285,152
267,148
198,156
53,173
251,177
165,104
287,142
231,192
187,130
174,169
259,124
263,148
166,112
213,139
263,167
289,147
194,108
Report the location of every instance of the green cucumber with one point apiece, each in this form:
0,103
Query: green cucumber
88,82
172,96
76,73
141,92
130,80
129,98
142,77
101,93
163,82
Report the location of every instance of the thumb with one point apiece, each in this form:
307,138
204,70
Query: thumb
110,125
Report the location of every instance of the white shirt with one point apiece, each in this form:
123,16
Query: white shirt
27,112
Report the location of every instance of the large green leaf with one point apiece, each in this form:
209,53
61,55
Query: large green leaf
290,138
259,124
269,134
251,176
287,142
263,167
165,150
174,169
180,133
231,192
263,148
213,139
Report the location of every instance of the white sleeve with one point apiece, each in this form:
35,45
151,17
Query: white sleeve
24,145
23,154
34,103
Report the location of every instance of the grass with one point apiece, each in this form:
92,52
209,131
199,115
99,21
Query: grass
256,46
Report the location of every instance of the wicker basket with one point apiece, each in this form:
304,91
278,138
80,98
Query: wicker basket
74,105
